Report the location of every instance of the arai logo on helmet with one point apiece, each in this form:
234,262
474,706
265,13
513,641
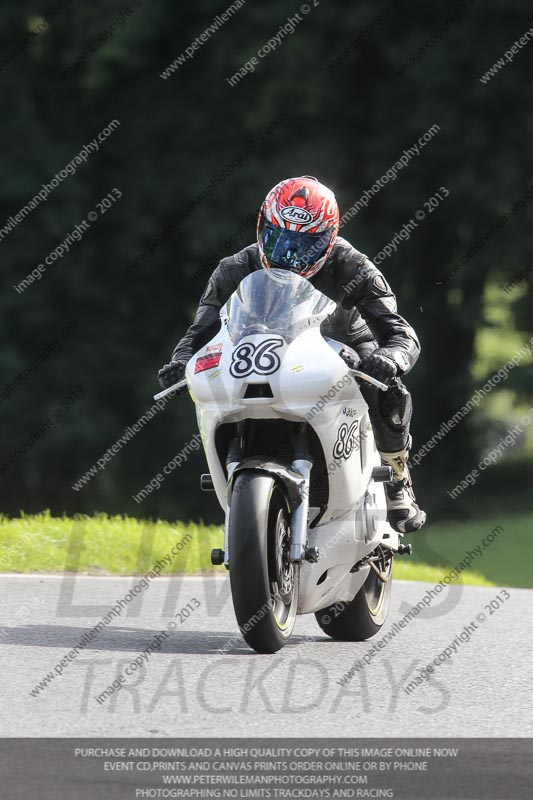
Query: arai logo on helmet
298,216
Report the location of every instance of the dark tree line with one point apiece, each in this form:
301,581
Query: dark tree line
192,159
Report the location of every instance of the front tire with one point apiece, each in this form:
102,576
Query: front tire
365,615
264,582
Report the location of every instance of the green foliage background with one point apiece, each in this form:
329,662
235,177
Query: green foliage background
346,125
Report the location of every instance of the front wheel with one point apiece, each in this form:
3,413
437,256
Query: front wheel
365,615
264,582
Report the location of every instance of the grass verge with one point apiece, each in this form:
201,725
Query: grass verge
125,546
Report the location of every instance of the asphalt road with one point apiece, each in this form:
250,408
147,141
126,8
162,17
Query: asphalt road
192,687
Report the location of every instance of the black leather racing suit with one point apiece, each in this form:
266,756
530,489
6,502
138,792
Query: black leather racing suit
366,318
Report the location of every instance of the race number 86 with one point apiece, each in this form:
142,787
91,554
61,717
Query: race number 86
260,359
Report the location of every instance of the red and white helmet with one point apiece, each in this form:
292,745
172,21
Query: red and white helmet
297,226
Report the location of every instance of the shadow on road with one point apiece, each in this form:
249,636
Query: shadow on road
135,640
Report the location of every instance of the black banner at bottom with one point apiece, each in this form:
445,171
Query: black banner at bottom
120,769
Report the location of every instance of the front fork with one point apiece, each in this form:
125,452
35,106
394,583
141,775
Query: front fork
299,517
302,465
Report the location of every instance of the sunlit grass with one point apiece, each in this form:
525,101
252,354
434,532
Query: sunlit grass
125,546
117,545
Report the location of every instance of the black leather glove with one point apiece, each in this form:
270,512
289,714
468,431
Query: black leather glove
379,367
171,373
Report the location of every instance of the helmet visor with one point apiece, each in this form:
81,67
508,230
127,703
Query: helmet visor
293,250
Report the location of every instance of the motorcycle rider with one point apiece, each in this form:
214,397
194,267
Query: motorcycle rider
297,230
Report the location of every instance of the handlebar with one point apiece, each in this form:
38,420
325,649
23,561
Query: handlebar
178,388
181,386
352,359
369,379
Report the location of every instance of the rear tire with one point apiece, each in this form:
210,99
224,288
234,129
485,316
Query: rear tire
264,582
364,616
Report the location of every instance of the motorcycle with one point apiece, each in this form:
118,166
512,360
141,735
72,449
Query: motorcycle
293,463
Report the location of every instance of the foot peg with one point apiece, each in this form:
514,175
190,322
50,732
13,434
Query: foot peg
217,556
206,483
405,550
382,474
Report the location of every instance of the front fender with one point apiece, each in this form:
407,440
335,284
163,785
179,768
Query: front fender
292,481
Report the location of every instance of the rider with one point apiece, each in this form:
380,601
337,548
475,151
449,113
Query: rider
298,230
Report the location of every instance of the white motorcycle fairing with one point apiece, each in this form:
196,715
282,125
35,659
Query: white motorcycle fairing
262,371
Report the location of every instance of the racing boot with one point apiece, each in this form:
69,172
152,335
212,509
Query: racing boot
404,515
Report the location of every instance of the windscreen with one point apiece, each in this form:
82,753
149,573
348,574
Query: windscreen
275,301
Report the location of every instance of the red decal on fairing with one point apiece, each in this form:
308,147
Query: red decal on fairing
211,359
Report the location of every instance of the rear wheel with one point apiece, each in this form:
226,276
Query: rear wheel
264,582
365,615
